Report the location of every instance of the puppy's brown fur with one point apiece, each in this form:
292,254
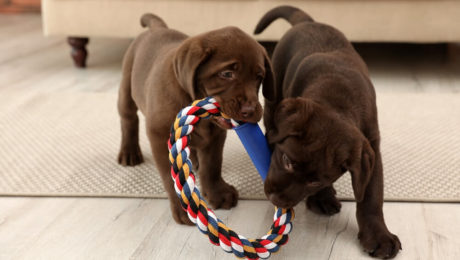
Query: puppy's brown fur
165,70
321,121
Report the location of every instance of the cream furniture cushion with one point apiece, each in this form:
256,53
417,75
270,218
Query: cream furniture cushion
360,20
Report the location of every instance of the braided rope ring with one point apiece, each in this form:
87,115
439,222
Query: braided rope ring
196,207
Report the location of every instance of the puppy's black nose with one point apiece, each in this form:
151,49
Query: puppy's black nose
247,111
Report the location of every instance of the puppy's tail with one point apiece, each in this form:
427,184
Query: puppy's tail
291,14
152,21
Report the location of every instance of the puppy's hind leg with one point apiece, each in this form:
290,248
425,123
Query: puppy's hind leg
130,152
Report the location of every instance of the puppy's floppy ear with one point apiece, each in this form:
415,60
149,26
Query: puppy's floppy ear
290,118
190,55
360,164
268,84
274,136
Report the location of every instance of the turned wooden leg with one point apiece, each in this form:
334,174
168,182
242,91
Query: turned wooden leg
78,52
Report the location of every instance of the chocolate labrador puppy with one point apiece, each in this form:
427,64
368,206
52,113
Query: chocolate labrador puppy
165,70
321,121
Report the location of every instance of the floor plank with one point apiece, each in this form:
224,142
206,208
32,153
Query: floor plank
96,228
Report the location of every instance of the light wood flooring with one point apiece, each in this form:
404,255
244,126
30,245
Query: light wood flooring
97,228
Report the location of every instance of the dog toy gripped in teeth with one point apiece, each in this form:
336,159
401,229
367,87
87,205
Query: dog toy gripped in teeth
189,195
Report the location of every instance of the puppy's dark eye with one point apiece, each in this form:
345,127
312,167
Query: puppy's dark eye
260,77
288,164
227,74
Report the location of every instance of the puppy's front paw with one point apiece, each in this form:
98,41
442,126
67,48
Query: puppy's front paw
324,205
130,156
380,244
180,215
221,195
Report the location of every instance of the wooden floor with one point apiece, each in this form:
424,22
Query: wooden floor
95,228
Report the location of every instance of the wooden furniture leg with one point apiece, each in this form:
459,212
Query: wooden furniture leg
79,52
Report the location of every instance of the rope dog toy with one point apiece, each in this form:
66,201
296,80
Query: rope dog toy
192,202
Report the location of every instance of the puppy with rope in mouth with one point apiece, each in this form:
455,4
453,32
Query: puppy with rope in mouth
321,121
165,70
